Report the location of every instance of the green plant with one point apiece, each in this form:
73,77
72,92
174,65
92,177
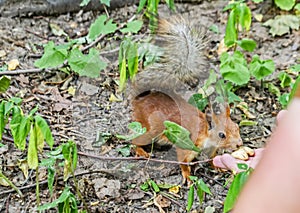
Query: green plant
66,203
4,83
151,11
201,189
128,61
179,136
66,153
72,57
234,67
236,186
23,125
240,15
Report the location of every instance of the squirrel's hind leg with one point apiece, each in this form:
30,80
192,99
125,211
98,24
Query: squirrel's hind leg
155,129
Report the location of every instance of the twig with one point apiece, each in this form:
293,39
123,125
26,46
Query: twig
144,159
15,72
46,181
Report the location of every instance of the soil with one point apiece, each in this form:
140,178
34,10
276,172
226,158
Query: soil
92,118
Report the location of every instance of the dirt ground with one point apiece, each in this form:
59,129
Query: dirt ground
92,120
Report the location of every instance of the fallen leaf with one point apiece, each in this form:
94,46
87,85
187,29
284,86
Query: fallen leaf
222,47
282,24
244,107
162,201
106,187
23,165
258,17
2,53
113,98
72,90
174,189
13,64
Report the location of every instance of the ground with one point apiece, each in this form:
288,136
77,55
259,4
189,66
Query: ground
110,185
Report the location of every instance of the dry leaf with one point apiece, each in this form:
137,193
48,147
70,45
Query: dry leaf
258,17
2,53
72,90
174,189
113,98
23,165
222,47
13,64
244,107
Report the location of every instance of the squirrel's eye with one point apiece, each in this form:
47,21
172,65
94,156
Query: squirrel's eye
222,135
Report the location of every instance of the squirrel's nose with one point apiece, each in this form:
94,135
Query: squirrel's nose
240,142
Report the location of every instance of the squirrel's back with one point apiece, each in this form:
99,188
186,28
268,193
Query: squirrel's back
182,64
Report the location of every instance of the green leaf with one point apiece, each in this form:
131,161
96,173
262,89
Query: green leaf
154,186
20,127
245,16
198,101
84,3
136,129
141,5
125,150
284,99
285,79
190,198
294,88
32,155
235,189
53,56
231,31
86,65
282,24
285,4
234,68
247,123
261,68
51,178
200,183
45,130
295,68
106,2
273,89
297,7
4,83
247,44
179,136
2,119
99,27
145,186
39,138
201,189
132,58
171,4
132,27
62,198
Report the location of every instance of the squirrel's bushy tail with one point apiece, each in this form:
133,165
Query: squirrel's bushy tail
182,64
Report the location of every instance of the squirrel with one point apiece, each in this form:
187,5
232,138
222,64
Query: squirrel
158,94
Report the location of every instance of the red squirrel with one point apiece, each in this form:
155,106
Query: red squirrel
158,94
